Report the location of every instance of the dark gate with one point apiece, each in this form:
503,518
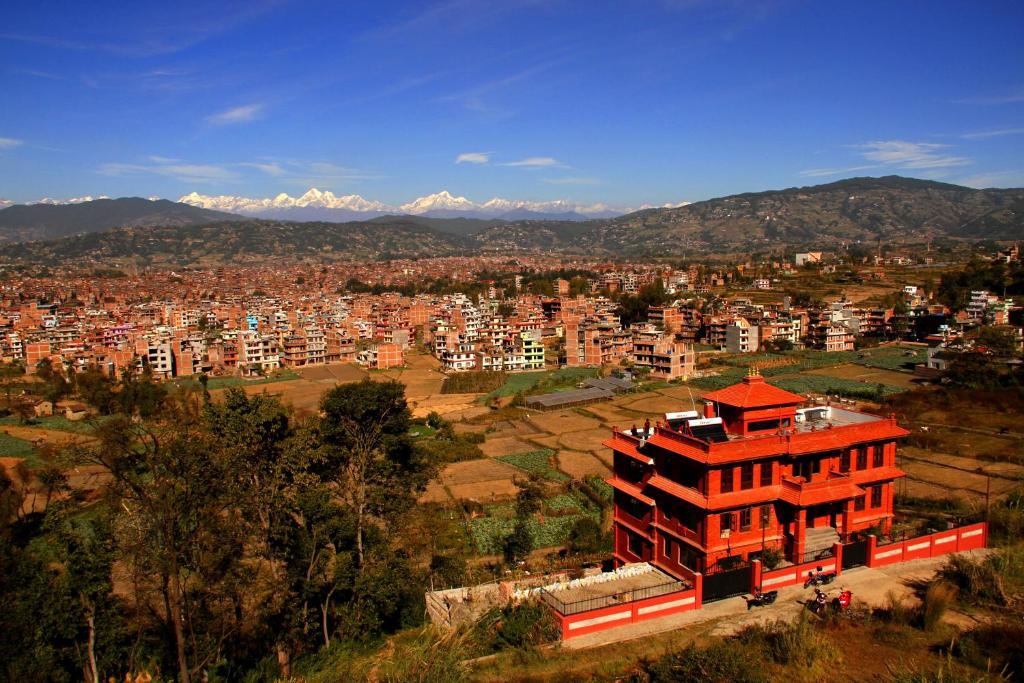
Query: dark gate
855,554
727,582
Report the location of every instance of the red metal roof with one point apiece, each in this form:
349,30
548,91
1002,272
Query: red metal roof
754,392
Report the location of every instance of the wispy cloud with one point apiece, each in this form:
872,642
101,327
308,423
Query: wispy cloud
994,179
243,114
1008,97
536,162
572,181
895,154
998,133
161,33
824,172
8,143
473,158
911,155
38,74
270,168
193,173
162,160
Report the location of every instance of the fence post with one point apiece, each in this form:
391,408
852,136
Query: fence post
755,575
698,590
872,544
837,555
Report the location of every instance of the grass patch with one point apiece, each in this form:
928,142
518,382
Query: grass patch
535,462
543,382
13,447
60,423
474,382
800,384
215,383
489,533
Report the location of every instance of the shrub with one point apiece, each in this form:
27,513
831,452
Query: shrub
772,557
526,625
977,582
448,570
723,662
896,611
995,646
937,599
799,644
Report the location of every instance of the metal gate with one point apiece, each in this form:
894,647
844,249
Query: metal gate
727,582
855,554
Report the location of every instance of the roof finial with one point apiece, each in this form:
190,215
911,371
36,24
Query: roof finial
753,371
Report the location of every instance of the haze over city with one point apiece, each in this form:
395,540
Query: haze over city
616,105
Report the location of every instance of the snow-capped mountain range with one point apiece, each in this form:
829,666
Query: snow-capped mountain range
326,206
315,204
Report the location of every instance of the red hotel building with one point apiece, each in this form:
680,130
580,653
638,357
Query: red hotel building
756,471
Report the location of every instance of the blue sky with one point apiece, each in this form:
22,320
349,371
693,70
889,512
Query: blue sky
618,102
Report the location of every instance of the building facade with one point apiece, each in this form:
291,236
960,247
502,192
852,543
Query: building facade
757,471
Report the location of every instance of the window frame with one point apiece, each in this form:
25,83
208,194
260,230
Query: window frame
728,476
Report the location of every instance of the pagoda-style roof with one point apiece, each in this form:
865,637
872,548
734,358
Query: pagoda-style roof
754,392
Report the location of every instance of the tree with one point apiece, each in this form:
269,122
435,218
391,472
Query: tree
97,389
585,536
1000,342
175,525
519,543
369,455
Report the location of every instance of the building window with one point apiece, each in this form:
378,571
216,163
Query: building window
879,456
633,470
727,522
766,516
631,506
765,425
862,459
635,544
745,515
668,547
844,461
727,474
747,476
688,556
766,474
858,503
876,496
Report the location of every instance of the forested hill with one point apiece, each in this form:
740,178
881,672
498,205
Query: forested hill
23,222
892,209
249,240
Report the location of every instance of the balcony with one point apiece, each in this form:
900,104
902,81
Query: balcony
835,487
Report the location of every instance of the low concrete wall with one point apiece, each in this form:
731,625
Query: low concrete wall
628,613
956,540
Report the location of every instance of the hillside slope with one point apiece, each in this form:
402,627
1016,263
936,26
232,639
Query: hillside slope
23,222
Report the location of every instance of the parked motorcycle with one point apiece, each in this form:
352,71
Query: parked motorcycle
842,601
818,603
819,578
760,599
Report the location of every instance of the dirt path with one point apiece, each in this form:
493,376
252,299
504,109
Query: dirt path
870,587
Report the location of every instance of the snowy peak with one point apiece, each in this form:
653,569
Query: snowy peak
313,198
316,204
441,201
